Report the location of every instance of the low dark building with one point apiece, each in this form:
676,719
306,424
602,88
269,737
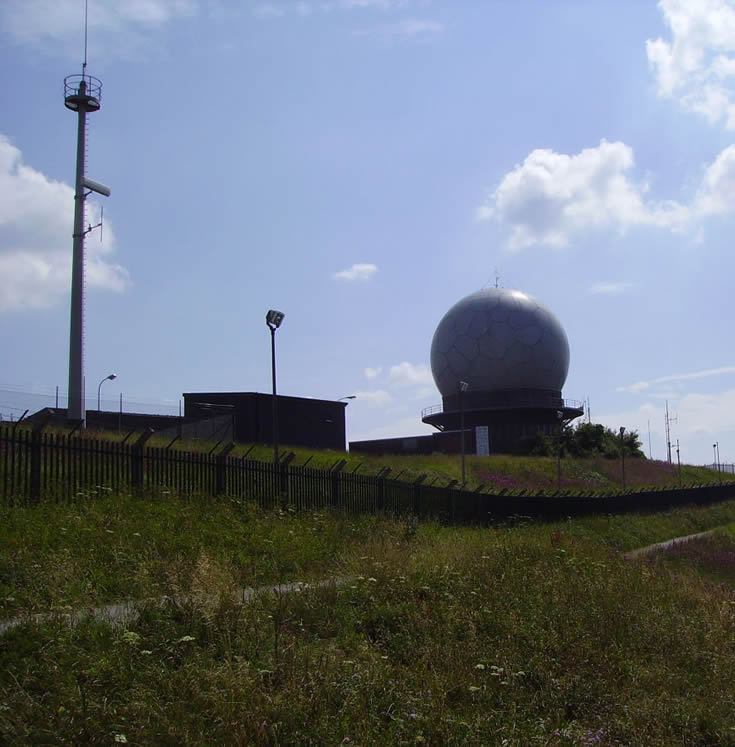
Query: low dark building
446,442
316,423
104,420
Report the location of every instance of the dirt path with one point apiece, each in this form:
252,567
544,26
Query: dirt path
121,613
665,545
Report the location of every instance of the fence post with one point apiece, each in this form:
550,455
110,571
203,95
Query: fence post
35,476
450,501
137,467
382,478
417,494
283,472
335,472
220,479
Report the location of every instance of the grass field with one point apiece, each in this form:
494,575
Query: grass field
526,634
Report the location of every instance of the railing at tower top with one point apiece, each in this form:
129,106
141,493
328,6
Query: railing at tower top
92,86
514,401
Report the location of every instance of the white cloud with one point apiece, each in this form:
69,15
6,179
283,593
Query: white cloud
379,4
38,22
36,217
371,373
305,8
409,28
716,195
268,10
642,385
697,65
551,196
610,289
377,397
408,374
357,272
639,386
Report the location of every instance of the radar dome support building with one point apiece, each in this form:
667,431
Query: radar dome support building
500,359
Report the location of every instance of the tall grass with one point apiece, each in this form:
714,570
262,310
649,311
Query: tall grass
536,633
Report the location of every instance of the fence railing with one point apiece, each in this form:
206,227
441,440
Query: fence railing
37,465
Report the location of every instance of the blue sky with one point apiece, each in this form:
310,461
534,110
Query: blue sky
362,165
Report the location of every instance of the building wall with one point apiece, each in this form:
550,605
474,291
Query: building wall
315,423
441,442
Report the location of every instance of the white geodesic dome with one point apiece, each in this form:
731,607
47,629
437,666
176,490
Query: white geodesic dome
499,339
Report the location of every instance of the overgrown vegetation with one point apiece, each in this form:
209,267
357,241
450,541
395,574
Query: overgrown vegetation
585,440
523,634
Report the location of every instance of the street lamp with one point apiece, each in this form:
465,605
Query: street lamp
716,458
349,396
678,460
463,387
273,319
622,453
111,377
560,418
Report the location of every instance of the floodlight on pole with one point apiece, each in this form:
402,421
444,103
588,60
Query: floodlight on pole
109,377
622,453
560,418
274,319
463,387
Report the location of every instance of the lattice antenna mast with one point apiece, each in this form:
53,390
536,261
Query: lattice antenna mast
82,94
669,420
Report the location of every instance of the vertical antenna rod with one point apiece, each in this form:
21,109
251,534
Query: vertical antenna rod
86,9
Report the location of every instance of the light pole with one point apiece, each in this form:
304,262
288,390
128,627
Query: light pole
273,319
716,458
560,418
463,386
678,460
111,377
622,453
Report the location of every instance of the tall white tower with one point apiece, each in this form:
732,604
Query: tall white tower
81,95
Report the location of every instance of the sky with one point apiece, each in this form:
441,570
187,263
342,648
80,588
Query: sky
361,165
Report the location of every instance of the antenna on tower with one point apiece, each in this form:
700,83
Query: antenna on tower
497,279
669,420
649,440
86,13
82,94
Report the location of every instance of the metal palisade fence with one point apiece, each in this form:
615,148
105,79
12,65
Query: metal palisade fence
36,465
